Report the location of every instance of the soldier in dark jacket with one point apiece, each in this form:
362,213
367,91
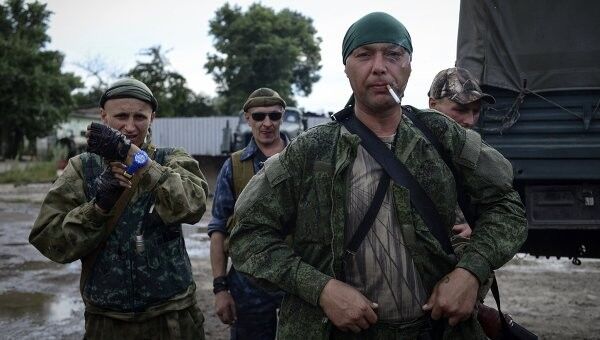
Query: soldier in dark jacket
136,281
296,216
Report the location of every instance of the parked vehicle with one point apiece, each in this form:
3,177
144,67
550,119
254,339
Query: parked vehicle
540,61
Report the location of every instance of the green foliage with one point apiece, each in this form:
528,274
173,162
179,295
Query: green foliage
34,172
88,99
34,94
169,87
262,48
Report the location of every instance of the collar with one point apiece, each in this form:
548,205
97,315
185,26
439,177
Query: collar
251,149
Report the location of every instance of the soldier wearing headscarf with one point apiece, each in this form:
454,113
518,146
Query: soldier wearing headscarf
118,208
296,217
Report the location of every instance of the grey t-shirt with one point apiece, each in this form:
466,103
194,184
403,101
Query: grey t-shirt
382,269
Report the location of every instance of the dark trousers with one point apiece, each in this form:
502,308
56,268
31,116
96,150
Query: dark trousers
256,309
255,327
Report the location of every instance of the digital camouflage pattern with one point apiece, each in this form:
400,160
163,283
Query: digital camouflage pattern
304,187
122,281
458,85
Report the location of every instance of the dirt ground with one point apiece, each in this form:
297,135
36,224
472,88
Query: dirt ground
40,299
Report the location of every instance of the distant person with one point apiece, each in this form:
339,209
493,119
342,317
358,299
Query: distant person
250,310
118,208
456,93
297,216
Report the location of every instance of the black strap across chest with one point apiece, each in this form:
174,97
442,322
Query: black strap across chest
400,174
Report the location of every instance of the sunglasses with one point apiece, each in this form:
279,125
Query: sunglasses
260,116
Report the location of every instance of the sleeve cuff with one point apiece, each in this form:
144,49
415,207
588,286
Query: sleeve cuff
152,176
95,216
310,283
476,264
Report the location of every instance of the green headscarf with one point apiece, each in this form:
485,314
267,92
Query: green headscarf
376,27
129,88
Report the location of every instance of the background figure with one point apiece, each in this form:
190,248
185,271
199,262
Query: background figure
296,216
456,93
250,310
119,208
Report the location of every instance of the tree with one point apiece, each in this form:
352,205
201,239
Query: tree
261,48
169,87
103,74
34,94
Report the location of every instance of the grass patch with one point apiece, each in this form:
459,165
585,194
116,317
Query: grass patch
34,172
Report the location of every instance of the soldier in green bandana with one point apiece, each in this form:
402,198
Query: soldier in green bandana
297,215
118,208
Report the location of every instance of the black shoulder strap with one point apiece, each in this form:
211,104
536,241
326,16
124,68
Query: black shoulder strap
462,198
369,218
399,173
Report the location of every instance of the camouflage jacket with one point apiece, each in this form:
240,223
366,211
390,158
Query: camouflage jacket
304,187
69,227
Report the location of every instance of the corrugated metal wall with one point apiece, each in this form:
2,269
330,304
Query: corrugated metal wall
200,136
197,135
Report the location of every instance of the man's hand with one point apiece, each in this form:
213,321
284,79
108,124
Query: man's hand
225,307
346,307
462,230
108,190
118,170
107,142
453,297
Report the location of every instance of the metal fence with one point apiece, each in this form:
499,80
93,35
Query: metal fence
197,135
201,136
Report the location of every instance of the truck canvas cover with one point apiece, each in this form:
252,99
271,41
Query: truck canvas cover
550,45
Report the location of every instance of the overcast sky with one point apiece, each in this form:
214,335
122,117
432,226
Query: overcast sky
116,30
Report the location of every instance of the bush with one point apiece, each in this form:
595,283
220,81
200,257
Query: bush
33,172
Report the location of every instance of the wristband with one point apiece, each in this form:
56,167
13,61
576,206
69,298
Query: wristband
220,284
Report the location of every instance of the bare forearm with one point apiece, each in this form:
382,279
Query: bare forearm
218,258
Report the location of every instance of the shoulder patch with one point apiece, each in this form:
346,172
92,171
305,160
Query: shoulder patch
275,171
469,155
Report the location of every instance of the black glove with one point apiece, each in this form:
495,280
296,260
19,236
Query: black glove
108,190
107,142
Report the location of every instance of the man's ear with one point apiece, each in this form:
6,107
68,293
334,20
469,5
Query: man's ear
152,116
432,103
103,116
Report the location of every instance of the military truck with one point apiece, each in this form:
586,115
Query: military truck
541,60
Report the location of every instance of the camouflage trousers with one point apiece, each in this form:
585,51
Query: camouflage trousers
187,323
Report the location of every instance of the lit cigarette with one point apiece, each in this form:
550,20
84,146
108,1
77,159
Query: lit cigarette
393,93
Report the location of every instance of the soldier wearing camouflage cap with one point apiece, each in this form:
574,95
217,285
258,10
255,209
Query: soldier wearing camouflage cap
118,208
296,217
456,93
251,311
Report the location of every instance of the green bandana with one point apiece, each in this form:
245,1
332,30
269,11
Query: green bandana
129,88
377,27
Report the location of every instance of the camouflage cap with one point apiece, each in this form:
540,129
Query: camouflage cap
263,96
458,85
